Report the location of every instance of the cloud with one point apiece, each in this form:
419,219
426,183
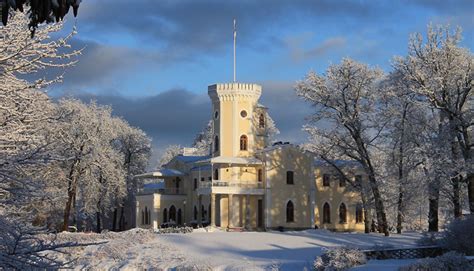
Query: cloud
299,53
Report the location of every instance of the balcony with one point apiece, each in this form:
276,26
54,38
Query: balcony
231,187
162,191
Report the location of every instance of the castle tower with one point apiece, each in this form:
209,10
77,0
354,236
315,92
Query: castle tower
238,119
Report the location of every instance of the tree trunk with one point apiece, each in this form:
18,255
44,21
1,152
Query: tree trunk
379,207
433,207
114,220
470,191
67,209
456,197
98,228
122,219
400,210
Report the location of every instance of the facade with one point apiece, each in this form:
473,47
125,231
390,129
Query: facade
245,182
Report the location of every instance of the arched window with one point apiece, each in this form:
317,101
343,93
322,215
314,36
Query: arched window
261,120
289,177
216,143
326,213
180,219
290,212
260,175
359,214
172,213
146,216
165,215
243,142
342,213
216,174
326,178
143,217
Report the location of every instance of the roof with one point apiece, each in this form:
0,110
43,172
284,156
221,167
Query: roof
163,172
190,158
158,185
202,168
233,160
340,163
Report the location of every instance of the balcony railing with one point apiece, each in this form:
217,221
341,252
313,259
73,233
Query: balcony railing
163,191
251,185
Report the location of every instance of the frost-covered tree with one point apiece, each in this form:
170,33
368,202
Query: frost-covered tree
135,147
170,152
203,141
94,173
346,99
441,72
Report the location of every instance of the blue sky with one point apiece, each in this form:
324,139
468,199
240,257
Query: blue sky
153,60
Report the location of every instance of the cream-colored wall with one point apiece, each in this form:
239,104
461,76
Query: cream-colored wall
334,195
279,161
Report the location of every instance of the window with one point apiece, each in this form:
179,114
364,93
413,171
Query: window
203,212
260,175
143,217
172,214
243,113
216,144
261,121
326,179
180,219
202,179
216,114
326,213
165,216
216,174
195,213
146,216
195,183
342,214
209,178
289,177
342,180
209,213
243,143
359,215
290,212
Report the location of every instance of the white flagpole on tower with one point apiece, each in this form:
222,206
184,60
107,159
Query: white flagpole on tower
235,37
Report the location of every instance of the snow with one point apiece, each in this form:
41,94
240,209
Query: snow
220,250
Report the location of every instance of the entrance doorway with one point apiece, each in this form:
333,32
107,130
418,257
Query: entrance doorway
260,214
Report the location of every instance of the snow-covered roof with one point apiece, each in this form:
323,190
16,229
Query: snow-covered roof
190,158
261,106
202,168
164,172
278,145
340,163
233,160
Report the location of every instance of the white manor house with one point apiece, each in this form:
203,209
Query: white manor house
246,182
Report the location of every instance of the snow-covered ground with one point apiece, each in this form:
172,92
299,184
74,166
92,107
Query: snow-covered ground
294,250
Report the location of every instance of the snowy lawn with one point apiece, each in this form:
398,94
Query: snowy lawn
292,250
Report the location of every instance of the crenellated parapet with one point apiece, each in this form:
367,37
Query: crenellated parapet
234,91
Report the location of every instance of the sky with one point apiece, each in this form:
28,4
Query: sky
153,60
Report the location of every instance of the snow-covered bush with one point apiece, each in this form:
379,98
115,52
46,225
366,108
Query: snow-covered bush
448,261
459,236
174,230
429,239
339,259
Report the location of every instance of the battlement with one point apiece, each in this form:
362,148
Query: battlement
227,91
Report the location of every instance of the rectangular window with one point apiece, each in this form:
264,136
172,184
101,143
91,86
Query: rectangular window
326,178
260,176
289,177
195,183
209,178
342,181
202,179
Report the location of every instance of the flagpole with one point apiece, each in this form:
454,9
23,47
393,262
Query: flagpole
235,36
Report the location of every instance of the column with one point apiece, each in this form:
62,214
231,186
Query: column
213,210
247,212
199,211
229,212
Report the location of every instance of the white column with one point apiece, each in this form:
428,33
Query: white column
247,211
213,210
229,211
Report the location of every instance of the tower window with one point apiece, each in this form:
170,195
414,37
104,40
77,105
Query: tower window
243,113
260,175
243,143
216,114
216,143
289,177
261,121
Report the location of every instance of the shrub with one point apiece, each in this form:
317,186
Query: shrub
429,239
459,236
339,259
448,261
